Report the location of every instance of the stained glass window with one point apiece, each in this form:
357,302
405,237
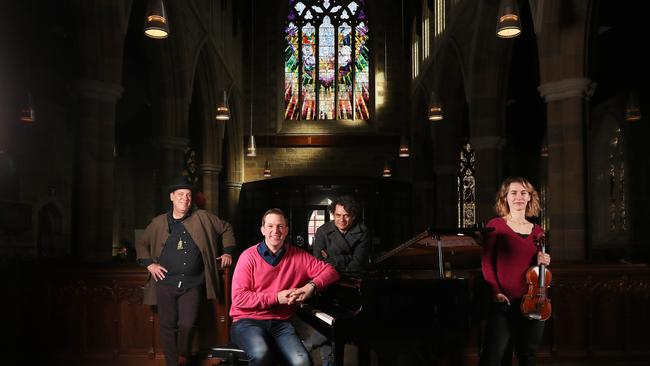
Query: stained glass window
466,188
326,61
616,174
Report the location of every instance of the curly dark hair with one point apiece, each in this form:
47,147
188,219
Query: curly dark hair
349,204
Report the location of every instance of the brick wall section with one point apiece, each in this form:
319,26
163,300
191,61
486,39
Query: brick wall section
292,161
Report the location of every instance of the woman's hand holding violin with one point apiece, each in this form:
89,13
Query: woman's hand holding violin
543,258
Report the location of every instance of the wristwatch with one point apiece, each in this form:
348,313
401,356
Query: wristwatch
313,285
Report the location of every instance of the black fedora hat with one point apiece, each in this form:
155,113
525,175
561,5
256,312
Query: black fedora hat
179,183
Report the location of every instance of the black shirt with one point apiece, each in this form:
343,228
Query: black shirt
181,257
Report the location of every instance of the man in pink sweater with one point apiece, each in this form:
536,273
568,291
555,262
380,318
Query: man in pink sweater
270,280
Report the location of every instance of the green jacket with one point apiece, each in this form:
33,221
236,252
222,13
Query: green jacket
206,229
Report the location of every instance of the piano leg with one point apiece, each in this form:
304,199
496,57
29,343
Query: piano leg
338,348
363,355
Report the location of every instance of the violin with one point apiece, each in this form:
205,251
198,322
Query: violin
536,304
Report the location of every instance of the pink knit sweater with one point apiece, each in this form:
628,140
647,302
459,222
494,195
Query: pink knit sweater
255,283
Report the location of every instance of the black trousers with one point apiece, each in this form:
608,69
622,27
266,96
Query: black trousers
177,310
507,329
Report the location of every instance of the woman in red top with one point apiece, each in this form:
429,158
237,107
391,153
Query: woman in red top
507,254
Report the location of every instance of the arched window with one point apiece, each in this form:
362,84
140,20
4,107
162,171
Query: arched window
466,187
617,208
326,61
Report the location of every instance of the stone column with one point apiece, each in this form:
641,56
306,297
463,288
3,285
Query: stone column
446,200
94,184
565,105
488,152
101,28
233,189
171,161
210,176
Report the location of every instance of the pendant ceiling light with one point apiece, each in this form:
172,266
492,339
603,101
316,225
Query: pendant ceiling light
508,21
435,108
251,149
223,112
156,24
404,148
632,109
28,112
387,173
267,169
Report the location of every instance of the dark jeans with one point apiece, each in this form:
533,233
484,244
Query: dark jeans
318,340
177,311
506,324
258,338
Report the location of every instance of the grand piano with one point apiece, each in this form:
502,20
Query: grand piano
415,303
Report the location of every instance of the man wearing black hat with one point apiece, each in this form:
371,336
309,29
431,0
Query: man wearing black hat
180,250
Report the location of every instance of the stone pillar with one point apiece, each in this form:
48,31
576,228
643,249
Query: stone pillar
100,38
171,161
210,176
94,198
446,201
488,152
232,199
565,105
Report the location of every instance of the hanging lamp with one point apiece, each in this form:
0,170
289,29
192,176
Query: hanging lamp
267,169
251,149
632,109
156,24
223,112
508,20
28,112
404,148
387,172
435,108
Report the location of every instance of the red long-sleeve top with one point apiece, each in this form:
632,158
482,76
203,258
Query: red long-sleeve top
506,258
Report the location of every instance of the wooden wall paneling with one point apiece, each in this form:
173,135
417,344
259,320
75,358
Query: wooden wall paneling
637,336
135,337
68,318
30,314
608,321
100,328
600,314
571,315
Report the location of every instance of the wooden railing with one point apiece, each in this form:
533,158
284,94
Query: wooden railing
64,312
93,313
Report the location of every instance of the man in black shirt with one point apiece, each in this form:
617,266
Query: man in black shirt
180,250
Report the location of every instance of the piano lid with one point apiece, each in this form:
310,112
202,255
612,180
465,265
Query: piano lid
461,247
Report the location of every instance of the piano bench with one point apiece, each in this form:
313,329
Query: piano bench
227,356
231,355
